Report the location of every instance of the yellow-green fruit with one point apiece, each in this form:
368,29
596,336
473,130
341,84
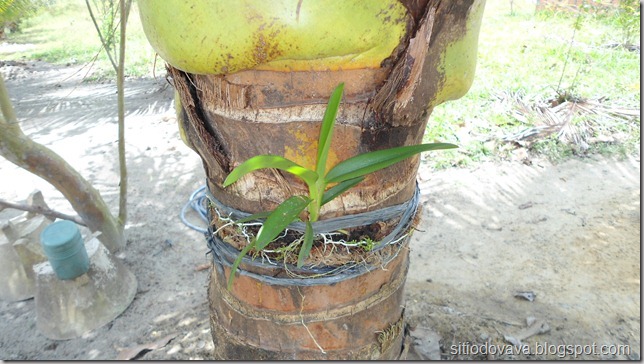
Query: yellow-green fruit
458,59
226,36
179,111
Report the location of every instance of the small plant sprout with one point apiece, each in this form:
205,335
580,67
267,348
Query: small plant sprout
342,177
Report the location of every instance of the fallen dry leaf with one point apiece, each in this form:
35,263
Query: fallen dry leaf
535,327
140,350
526,295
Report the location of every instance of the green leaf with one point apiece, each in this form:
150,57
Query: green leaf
238,260
364,164
279,219
306,246
275,223
326,130
337,190
271,161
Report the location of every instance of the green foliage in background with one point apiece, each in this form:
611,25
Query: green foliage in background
525,55
14,12
628,20
62,32
106,17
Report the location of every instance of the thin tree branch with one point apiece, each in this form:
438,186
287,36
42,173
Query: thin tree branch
100,35
6,106
124,6
20,150
42,210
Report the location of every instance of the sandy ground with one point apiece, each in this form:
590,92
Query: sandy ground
568,233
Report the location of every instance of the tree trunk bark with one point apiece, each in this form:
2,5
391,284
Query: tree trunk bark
233,117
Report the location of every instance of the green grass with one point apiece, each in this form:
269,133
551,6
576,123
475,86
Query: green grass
520,53
525,53
64,34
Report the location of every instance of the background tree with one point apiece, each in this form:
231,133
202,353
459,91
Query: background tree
19,149
14,12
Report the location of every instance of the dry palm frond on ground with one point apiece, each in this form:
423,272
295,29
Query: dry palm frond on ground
573,119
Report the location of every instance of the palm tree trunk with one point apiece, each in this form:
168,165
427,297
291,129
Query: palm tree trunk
268,108
232,117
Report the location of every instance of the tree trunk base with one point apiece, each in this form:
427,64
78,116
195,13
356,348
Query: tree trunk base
346,316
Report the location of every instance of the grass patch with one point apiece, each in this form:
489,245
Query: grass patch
535,57
63,34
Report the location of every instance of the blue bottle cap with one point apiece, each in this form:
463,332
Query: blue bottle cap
60,237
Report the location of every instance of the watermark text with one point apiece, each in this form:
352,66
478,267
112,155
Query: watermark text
540,349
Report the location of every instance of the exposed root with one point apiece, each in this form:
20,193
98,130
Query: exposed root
387,337
334,249
304,324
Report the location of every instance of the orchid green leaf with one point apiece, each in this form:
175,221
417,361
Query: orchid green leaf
326,130
306,245
364,164
279,219
338,189
271,161
238,260
275,223
344,175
